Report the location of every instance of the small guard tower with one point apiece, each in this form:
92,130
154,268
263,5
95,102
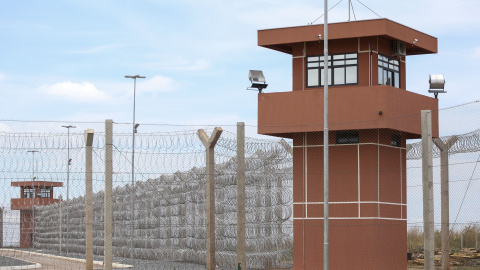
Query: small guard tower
371,115
32,193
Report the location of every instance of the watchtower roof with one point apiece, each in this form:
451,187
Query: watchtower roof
283,39
36,184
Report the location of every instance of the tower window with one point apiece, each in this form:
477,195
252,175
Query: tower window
342,69
45,193
28,192
347,137
388,71
396,140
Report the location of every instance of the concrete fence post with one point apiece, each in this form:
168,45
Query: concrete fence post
209,144
108,196
1,227
88,199
60,222
427,181
286,146
444,148
241,245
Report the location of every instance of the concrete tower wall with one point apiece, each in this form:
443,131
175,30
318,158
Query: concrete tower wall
367,201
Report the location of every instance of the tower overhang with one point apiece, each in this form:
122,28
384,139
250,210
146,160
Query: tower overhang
283,39
350,108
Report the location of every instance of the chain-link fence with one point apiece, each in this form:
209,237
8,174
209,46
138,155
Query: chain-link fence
159,186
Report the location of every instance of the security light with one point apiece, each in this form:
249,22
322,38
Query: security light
437,84
319,36
414,41
257,79
135,128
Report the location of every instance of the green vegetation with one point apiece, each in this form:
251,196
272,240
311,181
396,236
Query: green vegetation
464,237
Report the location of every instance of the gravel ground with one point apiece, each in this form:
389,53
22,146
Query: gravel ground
7,261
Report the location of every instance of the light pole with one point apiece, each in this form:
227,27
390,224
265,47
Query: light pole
134,130
33,196
326,244
68,179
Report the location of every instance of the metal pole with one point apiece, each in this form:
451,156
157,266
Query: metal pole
60,222
427,175
132,229
108,198
241,259
68,182
209,144
88,199
134,130
445,227
325,141
32,222
1,227
349,5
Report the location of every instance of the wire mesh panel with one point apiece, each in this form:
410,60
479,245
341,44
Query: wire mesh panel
159,193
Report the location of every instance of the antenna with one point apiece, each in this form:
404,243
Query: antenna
349,4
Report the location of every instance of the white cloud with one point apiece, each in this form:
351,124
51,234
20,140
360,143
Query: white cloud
83,92
95,49
476,52
158,84
178,63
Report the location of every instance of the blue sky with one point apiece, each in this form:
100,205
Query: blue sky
66,60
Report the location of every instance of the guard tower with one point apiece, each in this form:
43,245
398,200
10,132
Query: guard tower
33,193
371,115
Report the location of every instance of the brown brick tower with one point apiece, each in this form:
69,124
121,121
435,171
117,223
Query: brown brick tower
33,193
371,115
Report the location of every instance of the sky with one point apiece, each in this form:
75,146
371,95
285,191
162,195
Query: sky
66,60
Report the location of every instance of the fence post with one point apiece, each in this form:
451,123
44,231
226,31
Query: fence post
88,199
476,238
108,196
1,227
286,146
60,222
427,181
209,144
241,256
444,148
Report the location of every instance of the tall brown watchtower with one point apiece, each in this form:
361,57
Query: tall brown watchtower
371,115
32,193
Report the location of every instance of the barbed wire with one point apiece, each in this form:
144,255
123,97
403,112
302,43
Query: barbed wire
169,192
466,143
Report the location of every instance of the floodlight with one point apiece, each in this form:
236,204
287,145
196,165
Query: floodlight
414,41
257,79
135,127
437,84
